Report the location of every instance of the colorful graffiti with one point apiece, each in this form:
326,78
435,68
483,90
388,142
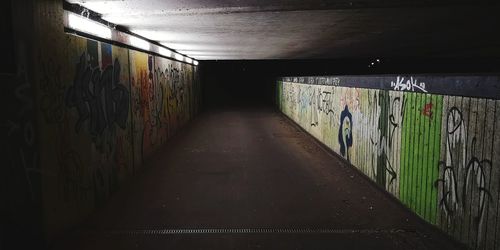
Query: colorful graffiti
87,146
104,110
161,101
435,153
96,112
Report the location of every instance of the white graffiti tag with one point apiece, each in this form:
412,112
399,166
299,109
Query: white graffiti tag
409,85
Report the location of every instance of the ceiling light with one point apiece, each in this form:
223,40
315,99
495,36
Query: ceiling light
86,25
165,52
179,57
139,43
188,60
195,62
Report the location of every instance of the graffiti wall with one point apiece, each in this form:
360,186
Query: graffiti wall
162,100
101,110
84,122
177,81
432,142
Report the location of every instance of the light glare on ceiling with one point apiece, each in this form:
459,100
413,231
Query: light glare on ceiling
185,46
151,34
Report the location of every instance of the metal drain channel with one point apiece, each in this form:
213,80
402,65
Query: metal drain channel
253,231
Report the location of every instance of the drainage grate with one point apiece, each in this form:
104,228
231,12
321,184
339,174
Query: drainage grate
252,231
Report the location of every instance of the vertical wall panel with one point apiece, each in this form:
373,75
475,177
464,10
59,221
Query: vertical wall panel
492,151
496,180
395,120
436,112
140,82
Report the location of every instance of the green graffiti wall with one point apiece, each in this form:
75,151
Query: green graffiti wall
101,111
437,153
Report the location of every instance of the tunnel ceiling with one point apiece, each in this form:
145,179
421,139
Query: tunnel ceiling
295,29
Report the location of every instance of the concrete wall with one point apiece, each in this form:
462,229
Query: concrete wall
95,113
431,141
20,176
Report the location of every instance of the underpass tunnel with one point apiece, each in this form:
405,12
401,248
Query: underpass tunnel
278,124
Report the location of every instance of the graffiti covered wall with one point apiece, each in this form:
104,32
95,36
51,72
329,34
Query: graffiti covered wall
101,116
101,111
432,142
162,100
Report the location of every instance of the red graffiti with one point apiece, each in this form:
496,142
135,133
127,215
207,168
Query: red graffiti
427,111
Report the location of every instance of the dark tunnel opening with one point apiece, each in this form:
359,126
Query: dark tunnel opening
247,83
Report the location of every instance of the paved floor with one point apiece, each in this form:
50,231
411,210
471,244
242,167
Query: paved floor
234,170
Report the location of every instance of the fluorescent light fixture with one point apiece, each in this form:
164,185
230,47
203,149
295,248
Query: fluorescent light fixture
165,52
139,43
88,26
195,62
179,57
188,60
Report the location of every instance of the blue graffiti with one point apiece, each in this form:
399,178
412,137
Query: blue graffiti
345,132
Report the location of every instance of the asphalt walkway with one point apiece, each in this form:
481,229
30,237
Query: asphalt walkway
250,179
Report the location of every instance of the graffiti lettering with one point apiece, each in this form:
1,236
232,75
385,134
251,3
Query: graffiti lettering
463,182
320,101
99,97
410,85
52,92
20,134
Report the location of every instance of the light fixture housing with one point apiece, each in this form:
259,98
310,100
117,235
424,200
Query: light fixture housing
139,43
179,57
165,52
85,25
75,23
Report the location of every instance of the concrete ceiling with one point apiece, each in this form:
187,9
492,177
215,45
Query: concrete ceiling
295,29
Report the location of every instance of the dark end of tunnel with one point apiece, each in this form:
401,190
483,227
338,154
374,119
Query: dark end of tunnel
251,83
